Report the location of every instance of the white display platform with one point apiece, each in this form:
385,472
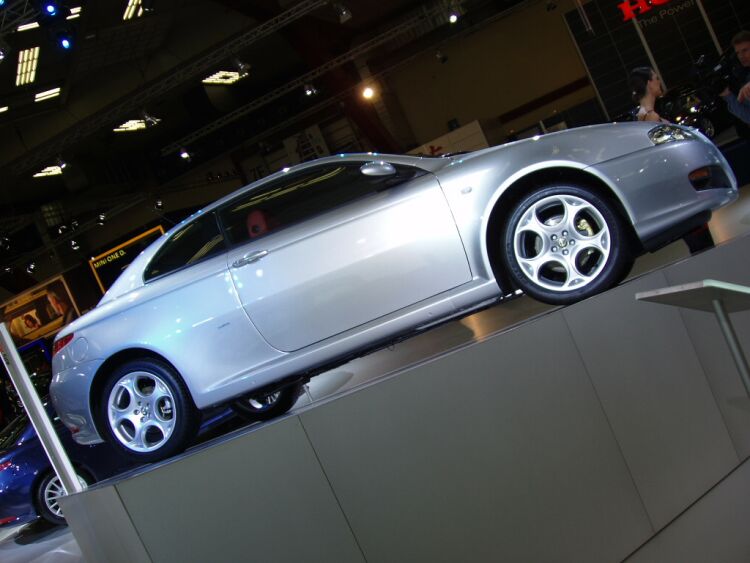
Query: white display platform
604,431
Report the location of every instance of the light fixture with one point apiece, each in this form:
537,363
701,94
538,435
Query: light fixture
65,40
74,245
342,12
368,93
310,90
133,10
49,171
30,267
8,269
61,229
242,67
62,164
3,109
74,13
455,11
27,26
47,94
149,119
28,59
158,205
4,50
137,124
49,9
185,155
101,219
224,77
5,243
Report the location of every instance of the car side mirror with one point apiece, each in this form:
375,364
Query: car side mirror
378,168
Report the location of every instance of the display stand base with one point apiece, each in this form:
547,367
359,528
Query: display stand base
607,430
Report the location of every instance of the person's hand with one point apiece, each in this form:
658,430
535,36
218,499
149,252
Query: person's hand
744,95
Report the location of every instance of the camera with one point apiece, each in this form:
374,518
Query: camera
726,72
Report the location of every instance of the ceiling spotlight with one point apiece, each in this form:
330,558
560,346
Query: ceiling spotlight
50,9
149,119
65,40
243,68
74,245
368,93
5,243
60,163
61,229
342,12
101,219
8,269
184,154
158,205
4,50
455,11
73,225
310,90
30,267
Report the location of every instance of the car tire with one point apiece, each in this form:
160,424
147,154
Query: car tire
48,492
255,407
146,411
562,244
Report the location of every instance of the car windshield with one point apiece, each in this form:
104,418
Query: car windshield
10,434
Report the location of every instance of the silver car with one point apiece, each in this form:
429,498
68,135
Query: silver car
324,261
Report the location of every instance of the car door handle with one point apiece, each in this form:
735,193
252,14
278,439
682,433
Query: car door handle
249,258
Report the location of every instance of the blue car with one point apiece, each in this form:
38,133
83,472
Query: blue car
29,487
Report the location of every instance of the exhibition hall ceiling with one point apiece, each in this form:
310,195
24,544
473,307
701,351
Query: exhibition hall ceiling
143,64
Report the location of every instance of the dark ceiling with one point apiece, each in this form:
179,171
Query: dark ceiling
118,69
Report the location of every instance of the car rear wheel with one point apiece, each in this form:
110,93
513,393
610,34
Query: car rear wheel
265,406
147,411
48,493
565,243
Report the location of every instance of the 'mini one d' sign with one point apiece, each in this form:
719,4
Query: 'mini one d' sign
632,8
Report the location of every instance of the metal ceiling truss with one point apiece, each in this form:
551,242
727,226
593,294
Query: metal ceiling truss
392,33
17,13
188,71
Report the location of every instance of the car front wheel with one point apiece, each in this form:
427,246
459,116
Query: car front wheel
265,406
48,493
565,243
147,412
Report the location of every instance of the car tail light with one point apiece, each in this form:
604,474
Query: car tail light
62,343
6,465
8,520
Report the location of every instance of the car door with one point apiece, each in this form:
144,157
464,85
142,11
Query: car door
328,249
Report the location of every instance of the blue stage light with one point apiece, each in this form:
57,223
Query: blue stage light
50,9
66,43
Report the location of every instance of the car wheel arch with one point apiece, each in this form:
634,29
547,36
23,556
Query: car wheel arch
106,369
502,207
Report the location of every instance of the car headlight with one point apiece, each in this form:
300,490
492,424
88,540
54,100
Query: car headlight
668,134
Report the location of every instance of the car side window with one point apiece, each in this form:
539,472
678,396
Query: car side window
199,239
303,195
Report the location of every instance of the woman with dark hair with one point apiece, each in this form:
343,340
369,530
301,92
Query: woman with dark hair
646,88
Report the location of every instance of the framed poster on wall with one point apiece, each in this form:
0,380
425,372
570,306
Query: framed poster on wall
108,265
40,311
